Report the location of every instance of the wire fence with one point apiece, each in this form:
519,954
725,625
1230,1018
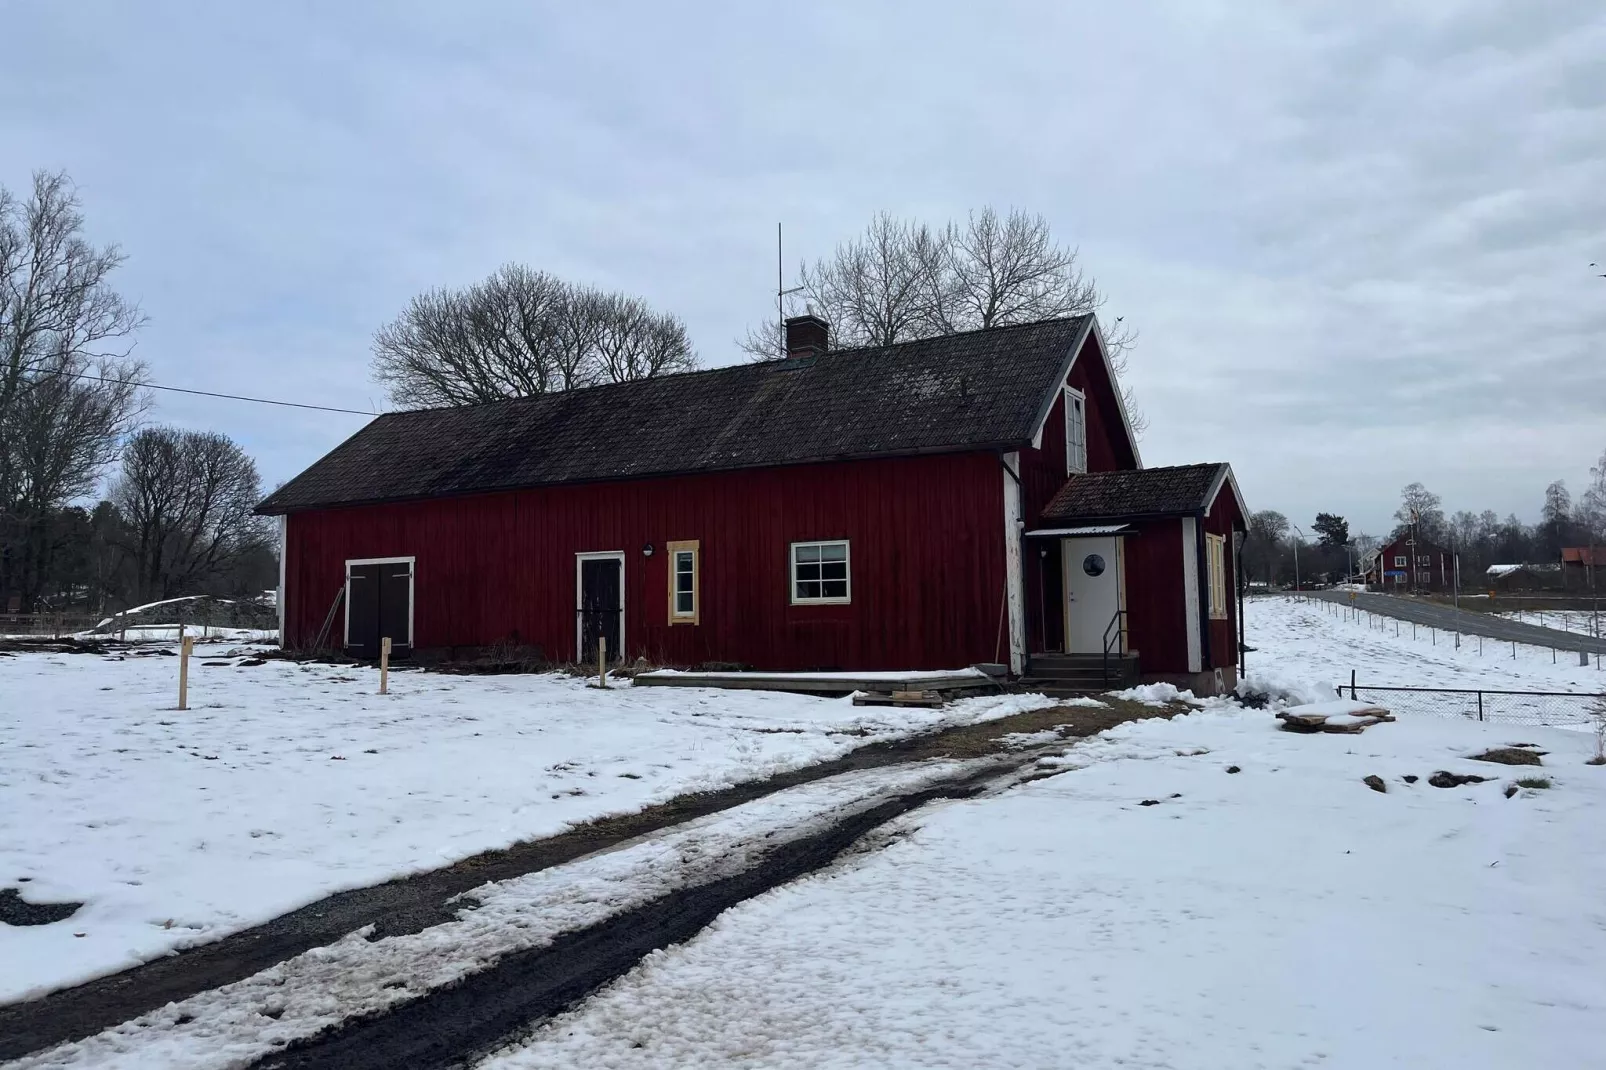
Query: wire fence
1582,621
1555,709
1481,645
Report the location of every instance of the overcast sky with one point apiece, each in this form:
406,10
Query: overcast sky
1355,242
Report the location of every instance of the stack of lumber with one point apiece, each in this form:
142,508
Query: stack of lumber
928,698
1340,715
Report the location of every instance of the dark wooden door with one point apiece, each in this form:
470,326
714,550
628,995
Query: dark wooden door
601,607
380,604
362,611
396,605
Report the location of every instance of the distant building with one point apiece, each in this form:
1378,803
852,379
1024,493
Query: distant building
1410,563
1524,577
1579,567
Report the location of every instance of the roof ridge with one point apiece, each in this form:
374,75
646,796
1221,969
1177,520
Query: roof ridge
960,334
776,363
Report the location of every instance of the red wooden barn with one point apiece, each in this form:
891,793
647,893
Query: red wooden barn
972,498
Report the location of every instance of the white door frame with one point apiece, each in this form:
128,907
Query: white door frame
579,636
412,575
1118,562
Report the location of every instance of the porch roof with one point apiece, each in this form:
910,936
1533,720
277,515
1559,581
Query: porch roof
1180,490
1094,529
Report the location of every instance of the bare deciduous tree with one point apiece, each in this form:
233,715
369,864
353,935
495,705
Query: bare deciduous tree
186,500
1422,510
63,330
522,332
901,280
1590,513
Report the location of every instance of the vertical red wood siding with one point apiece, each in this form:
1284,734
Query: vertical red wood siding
1156,610
926,544
1043,469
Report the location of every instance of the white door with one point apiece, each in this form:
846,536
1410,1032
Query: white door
1092,592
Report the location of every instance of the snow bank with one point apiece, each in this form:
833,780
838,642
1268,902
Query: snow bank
1154,694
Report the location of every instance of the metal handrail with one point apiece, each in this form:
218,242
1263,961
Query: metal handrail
1119,638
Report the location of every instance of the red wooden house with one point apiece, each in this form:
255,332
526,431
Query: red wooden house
972,498
1411,563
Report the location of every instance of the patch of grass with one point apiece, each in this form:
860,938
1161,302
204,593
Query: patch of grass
1537,783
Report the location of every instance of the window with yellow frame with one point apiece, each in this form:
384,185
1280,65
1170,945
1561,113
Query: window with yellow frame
1216,560
685,600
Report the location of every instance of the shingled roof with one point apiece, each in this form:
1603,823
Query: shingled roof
983,389
1181,490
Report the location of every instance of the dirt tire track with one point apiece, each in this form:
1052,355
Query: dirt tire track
457,1024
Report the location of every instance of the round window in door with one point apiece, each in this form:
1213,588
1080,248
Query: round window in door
1093,565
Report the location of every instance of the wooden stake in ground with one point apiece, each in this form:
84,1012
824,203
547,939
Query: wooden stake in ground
384,665
186,644
602,661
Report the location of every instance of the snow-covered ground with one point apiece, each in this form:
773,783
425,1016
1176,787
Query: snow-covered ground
1315,642
1149,909
1582,621
286,782
239,1023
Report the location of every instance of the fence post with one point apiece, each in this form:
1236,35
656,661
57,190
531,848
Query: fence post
602,661
1480,705
1513,650
384,665
1352,685
186,643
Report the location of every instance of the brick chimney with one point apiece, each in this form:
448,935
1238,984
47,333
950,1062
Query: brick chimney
807,336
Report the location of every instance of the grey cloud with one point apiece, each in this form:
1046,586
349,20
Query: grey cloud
1354,237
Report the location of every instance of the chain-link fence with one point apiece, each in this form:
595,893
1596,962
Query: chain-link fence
1557,709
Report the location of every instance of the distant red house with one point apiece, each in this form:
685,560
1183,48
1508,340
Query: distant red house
1581,566
972,498
1411,563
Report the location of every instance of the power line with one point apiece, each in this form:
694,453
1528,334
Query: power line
213,394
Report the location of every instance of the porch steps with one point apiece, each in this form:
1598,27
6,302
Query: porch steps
1078,674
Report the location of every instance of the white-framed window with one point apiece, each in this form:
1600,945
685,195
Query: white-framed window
821,572
685,602
1075,431
1400,561
1425,561
1216,561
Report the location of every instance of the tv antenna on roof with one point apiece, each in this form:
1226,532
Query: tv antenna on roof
781,294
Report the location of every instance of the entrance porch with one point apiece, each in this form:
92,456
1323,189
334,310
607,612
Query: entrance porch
1080,642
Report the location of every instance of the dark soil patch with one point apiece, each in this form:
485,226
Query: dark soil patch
1410,778
15,910
1443,779
1509,756
1376,783
52,646
411,904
